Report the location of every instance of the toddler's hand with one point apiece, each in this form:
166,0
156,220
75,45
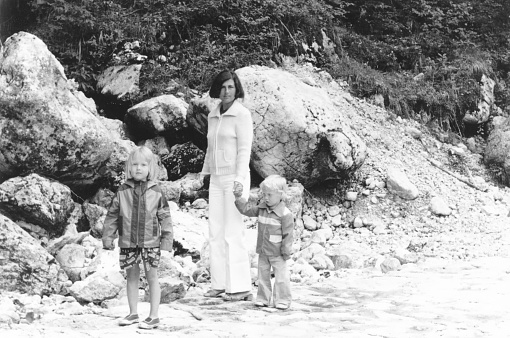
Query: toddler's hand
238,189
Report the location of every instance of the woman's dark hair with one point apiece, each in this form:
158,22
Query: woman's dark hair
225,75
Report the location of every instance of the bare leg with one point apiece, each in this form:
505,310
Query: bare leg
133,277
154,291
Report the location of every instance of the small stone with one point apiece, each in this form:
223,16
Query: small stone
358,222
351,196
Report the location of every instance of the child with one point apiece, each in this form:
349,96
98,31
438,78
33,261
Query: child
140,214
274,240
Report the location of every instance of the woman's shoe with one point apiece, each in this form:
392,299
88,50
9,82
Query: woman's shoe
214,293
238,296
260,304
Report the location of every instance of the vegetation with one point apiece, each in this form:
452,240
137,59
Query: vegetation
382,45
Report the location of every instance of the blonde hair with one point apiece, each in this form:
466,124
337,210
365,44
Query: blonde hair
146,154
275,183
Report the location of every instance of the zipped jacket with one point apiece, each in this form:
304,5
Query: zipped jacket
275,227
229,141
139,213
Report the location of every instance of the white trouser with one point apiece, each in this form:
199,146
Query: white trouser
230,262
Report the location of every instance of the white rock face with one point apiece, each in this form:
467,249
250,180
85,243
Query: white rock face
47,126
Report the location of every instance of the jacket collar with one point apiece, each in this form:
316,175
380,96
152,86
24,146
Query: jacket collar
131,183
232,111
279,209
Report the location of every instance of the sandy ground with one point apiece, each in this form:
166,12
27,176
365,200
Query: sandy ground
435,298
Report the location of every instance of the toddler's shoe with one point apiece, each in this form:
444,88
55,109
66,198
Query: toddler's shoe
149,323
128,320
282,306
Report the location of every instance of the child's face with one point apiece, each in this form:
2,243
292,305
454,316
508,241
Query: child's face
139,169
271,197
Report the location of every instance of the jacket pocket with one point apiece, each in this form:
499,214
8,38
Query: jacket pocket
275,238
121,226
222,159
155,226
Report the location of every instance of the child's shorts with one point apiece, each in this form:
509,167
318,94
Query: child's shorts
131,256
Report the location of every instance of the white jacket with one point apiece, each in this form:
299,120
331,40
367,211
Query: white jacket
229,140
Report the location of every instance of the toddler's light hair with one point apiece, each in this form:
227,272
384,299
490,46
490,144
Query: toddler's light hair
275,183
146,154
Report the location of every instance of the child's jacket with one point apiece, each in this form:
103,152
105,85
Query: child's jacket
275,228
140,214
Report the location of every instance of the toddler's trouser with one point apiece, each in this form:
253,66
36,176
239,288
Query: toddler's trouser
281,292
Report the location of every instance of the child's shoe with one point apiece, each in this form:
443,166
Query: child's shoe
128,320
149,323
282,306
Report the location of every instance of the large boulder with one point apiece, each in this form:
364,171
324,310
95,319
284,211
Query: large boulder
497,150
48,126
161,115
24,264
37,200
298,131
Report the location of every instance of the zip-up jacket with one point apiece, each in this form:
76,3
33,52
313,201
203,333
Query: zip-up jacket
275,227
229,140
139,213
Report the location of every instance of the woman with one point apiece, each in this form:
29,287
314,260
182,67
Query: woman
229,140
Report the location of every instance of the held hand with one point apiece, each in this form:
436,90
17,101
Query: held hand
238,189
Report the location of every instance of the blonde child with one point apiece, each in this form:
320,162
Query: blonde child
140,214
274,241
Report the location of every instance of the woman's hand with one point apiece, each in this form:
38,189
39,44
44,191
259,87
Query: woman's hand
238,189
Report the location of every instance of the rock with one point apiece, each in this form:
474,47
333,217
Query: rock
341,262
48,126
103,198
171,190
334,210
182,159
351,196
100,286
358,222
486,102
189,232
161,115
199,203
322,262
37,200
72,260
171,290
309,223
95,215
121,81
439,207
406,257
321,236
390,264
397,183
24,265
414,132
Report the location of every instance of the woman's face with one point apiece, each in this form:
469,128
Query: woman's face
228,92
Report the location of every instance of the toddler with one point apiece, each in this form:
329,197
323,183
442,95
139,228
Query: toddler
274,241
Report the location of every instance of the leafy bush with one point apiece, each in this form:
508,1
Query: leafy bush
383,44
